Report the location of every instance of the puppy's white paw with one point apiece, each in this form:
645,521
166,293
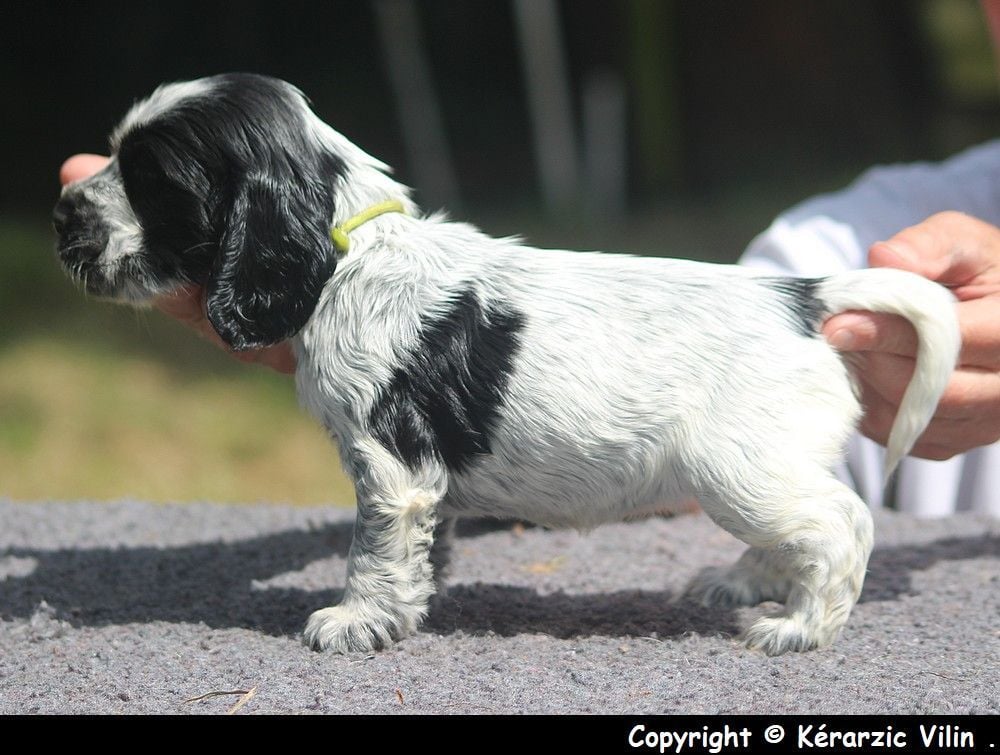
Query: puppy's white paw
776,635
341,629
716,587
732,586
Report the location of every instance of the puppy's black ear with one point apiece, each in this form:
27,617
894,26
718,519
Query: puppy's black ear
275,256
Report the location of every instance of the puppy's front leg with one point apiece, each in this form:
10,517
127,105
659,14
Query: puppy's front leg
390,575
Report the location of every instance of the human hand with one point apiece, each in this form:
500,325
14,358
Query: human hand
79,167
962,253
186,304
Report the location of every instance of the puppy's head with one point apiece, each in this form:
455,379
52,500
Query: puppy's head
228,182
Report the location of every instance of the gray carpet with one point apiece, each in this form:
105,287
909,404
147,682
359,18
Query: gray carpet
136,608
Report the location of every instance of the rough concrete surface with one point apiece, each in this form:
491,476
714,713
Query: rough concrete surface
136,608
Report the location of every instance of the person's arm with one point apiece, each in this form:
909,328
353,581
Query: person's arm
962,253
186,304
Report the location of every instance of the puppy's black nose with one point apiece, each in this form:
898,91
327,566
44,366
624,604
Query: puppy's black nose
61,214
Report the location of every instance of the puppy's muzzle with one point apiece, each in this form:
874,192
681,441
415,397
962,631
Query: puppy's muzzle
83,235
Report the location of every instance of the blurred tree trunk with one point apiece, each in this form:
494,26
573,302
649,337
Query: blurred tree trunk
543,56
654,49
419,111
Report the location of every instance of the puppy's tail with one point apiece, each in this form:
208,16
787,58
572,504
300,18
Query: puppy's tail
931,309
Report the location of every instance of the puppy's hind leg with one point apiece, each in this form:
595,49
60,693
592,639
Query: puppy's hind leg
759,575
390,570
817,537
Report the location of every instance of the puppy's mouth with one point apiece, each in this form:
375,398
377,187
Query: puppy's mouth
96,259
123,280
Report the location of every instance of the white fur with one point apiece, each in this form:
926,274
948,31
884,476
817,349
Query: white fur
165,98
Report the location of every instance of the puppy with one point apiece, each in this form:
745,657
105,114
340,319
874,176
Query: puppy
462,375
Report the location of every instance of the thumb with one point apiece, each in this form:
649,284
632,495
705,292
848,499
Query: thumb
79,167
870,331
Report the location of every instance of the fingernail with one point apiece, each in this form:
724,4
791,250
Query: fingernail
842,339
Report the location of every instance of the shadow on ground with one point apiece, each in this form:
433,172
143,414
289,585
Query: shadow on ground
218,584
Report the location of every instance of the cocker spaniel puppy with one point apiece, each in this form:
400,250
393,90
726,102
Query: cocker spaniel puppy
463,375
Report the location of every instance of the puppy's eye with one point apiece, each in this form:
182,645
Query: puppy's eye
167,191
151,164
142,177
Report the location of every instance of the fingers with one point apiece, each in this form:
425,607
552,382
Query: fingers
944,437
891,334
979,321
279,357
184,304
951,248
187,305
869,331
81,166
970,394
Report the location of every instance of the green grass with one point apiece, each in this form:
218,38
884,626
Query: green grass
98,401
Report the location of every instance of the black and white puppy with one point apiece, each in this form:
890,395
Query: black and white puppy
463,375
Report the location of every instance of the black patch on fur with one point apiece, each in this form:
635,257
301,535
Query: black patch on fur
805,309
233,192
443,401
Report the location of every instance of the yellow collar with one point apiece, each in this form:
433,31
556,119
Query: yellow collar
338,234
